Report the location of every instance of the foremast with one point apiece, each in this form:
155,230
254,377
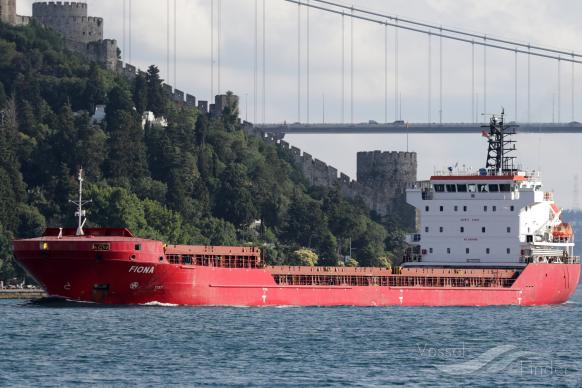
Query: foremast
80,213
501,146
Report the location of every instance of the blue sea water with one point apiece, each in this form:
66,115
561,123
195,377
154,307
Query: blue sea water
70,344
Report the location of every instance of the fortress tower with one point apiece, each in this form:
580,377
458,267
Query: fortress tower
82,33
70,20
8,11
387,175
389,172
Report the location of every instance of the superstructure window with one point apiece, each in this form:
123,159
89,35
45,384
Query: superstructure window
137,247
426,208
472,188
505,188
442,208
508,229
467,250
483,229
462,229
462,188
485,208
448,250
512,208
441,229
494,208
464,208
429,250
439,188
451,188
487,250
456,208
483,188
494,188
508,251
426,229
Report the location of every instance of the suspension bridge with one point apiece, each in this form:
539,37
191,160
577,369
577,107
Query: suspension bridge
480,46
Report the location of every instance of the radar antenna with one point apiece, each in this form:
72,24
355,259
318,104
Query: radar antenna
499,158
80,213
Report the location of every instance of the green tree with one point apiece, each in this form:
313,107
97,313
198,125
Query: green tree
95,90
156,98
234,202
305,257
140,93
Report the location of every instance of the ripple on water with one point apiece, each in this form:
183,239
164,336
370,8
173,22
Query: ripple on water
57,342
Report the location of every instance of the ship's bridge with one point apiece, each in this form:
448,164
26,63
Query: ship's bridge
478,217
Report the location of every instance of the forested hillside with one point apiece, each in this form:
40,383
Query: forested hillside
200,180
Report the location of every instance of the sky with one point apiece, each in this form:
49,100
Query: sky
551,23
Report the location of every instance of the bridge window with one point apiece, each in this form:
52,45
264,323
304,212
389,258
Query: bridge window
505,188
439,188
462,188
483,188
493,188
451,188
472,188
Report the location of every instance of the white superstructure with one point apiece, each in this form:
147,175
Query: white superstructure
492,217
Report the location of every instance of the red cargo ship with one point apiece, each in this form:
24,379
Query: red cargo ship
486,238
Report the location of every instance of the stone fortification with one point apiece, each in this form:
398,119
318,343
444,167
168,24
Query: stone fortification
8,14
382,177
70,19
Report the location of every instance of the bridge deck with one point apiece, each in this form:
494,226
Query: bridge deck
425,128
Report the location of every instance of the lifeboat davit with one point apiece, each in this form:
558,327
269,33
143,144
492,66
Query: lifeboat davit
563,230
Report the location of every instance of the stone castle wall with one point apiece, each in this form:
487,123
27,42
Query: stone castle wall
130,72
69,19
383,194
82,33
8,14
8,11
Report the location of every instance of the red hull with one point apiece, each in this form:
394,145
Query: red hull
70,268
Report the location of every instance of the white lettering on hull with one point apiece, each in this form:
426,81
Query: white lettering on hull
141,269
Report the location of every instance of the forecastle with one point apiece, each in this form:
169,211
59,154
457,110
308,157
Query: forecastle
382,177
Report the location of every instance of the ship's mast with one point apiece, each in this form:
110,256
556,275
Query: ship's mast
80,213
501,146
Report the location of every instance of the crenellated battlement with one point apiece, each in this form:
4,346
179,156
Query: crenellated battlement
384,196
59,9
71,20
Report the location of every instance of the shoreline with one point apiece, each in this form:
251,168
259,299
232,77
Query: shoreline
22,294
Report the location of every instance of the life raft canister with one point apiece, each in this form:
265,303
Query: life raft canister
563,230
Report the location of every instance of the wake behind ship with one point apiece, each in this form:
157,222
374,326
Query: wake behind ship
486,237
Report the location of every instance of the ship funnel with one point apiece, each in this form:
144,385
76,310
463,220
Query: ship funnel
80,213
